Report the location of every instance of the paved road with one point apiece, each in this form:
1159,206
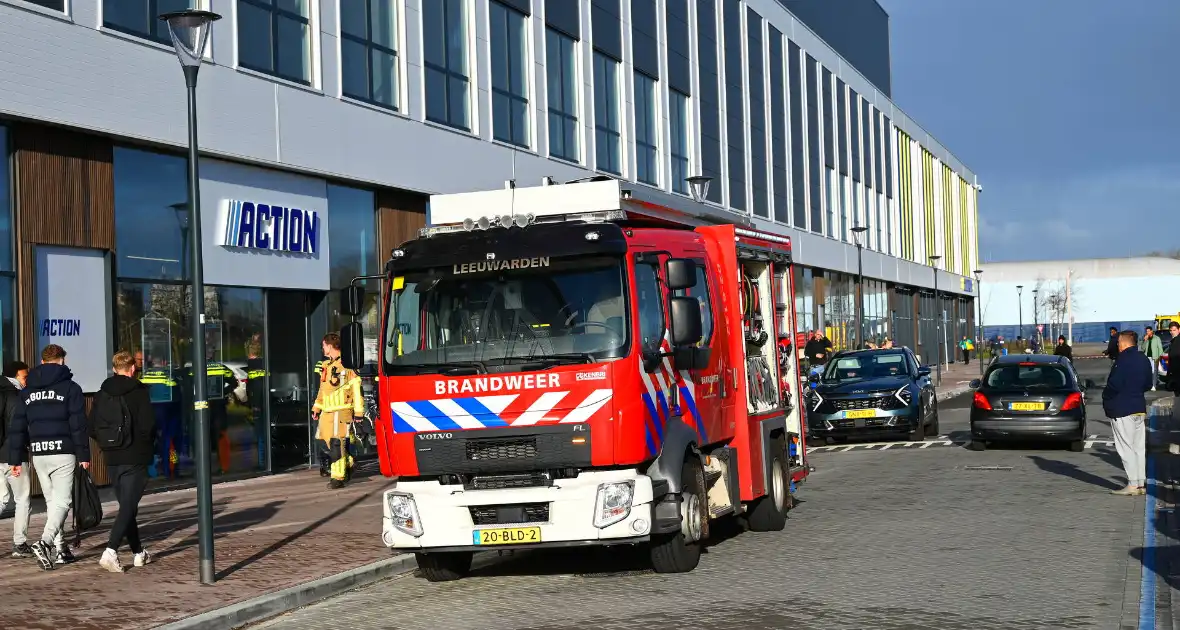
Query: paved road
937,537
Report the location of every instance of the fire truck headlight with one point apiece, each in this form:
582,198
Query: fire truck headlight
403,511
613,503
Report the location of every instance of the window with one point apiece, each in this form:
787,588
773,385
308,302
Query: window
151,215
700,291
735,120
887,133
757,91
853,107
510,88
830,131
352,252
866,140
607,136
651,306
561,66
1028,377
842,124
778,130
678,152
138,17
7,279
646,131
56,5
444,32
275,38
795,85
368,51
710,132
815,138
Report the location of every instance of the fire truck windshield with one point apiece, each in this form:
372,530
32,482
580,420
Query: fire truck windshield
506,316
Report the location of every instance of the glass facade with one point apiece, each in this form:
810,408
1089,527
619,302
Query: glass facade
710,96
678,120
804,299
368,52
444,33
8,348
275,38
510,87
647,132
151,215
141,17
607,131
561,64
735,126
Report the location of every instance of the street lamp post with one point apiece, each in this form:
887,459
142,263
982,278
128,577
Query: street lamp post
1036,333
1020,311
858,237
937,321
979,308
190,33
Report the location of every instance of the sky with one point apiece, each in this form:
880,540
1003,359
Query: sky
1068,111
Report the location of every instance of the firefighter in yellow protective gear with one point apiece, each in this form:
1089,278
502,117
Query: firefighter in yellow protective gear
337,404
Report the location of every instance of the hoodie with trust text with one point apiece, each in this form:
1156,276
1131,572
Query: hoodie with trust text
51,420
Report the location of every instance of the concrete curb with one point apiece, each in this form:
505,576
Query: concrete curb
944,394
279,602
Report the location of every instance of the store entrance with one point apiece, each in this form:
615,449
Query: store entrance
290,368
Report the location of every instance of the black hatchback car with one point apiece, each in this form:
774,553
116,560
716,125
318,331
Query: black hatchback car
1029,397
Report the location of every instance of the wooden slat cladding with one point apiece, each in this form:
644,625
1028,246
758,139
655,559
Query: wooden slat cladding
399,215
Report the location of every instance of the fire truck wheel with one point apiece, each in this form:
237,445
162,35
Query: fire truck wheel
444,567
769,513
678,552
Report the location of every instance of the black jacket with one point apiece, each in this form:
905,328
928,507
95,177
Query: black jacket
1064,350
1112,347
1173,366
816,347
1126,387
52,417
9,401
142,448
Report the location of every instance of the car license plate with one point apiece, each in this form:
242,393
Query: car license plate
860,413
1026,406
506,536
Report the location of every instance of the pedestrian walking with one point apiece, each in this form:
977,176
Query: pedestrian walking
1124,401
1112,346
1173,357
338,404
14,488
1063,349
50,425
1153,349
123,424
965,347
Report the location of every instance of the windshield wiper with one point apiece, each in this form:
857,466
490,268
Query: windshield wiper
450,368
553,360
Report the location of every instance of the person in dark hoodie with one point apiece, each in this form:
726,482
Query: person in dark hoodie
1063,348
13,488
50,425
1124,401
1112,346
122,399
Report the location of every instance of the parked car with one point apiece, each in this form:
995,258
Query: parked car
866,392
1029,397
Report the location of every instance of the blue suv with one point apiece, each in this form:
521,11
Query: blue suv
868,392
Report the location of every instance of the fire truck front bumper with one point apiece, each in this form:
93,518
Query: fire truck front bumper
601,507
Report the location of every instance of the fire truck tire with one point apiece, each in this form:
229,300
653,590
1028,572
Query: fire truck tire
676,553
769,513
444,567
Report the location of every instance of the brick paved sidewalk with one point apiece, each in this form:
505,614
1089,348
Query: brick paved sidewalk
271,533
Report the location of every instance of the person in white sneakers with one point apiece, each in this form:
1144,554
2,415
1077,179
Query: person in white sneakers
123,425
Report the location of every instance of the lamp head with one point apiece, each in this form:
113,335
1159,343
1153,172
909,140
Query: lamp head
190,34
698,186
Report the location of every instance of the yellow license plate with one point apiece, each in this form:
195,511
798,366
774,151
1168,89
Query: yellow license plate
506,536
860,413
1028,406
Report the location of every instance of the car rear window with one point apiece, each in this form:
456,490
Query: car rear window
1027,376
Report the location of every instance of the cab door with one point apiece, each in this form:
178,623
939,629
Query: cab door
703,392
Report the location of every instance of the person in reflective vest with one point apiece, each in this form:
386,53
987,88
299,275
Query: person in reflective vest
337,405
256,393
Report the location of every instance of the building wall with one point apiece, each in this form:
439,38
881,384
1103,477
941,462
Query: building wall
857,29
70,69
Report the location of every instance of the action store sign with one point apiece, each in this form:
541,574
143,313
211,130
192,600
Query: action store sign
74,311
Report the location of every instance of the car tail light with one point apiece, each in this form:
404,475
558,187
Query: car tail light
1073,401
1027,363
981,402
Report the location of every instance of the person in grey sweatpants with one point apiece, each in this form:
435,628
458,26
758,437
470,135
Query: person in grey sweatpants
14,489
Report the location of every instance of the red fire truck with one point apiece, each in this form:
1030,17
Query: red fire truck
570,365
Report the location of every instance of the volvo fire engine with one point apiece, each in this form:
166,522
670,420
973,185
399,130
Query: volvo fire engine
569,365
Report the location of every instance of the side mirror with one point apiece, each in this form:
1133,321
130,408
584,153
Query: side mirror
1090,384
686,321
352,346
681,272
352,300
812,377
924,370
975,383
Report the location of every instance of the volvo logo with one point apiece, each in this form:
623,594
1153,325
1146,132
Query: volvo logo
435,436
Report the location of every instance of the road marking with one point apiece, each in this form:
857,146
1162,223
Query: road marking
884,446
888,445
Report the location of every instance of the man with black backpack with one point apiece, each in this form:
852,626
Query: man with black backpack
123,424
50,425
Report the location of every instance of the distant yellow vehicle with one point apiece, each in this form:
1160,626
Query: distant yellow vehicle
1163,321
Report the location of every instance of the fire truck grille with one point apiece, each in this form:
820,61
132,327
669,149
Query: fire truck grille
502,482
509,514
509,449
